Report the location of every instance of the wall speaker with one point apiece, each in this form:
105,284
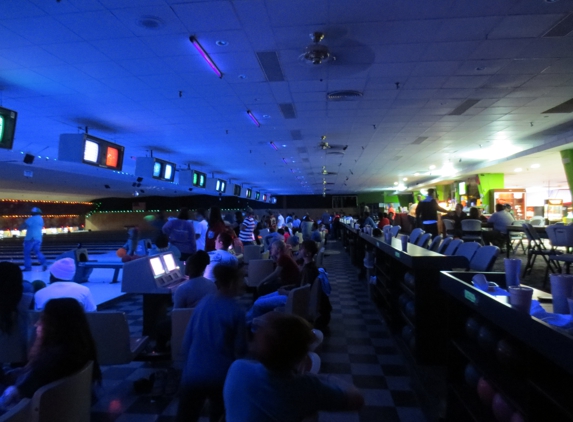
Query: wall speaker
29,158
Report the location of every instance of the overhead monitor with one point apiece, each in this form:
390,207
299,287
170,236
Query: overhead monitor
221,186
248,193
237,190
102,153
157,169
7,127
156,266
168,173
264,197
462,188
199,179
169,262
257,196
91,151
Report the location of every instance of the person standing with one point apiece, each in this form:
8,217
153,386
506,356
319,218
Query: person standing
427,212
216,227
181,234
201,226
248,228
33,239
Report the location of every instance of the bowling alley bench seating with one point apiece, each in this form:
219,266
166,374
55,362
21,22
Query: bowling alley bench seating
116,266
502,364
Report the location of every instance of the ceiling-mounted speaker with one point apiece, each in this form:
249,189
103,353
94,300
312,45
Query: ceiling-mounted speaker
29,158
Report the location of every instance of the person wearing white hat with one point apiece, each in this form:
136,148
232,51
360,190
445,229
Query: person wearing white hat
61,274
33,239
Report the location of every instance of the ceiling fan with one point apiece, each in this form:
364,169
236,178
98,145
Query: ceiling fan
330,147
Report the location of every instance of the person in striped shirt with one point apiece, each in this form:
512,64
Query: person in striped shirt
247,228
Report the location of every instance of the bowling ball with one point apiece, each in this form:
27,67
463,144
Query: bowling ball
508,354
407,333
410,310
472,376
501,409
485,392
409,279
517,417
487,339
121,252
472,328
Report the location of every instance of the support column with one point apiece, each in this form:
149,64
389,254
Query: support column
567,160
488,182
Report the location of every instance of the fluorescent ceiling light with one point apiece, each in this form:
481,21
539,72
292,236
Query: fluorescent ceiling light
253,118
405,179
535,166
205,56
432,167
517,170
273,145
499,149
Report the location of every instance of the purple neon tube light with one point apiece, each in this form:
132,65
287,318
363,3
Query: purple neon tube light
205,56
253,118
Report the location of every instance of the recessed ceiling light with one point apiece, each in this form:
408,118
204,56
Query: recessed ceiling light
405,179
222,43
150,22
416,174
432,167
284,145
517,170
242,76
535,166
395,183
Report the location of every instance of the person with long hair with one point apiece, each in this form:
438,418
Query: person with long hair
63,346
216,227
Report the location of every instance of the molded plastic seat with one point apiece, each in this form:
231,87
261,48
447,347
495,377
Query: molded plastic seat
298,301
467,249
314,300
484,258
22,412
424,240
435,244
536,248
114,344
416,233
251,252
471,230
180,318
453,247
65,400
444,245
395,230
258,270
449,225
537,221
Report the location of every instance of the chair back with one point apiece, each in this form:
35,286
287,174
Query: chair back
314,300
395,230
424,240
22,412
471,225
453,247
537,221
319,260
14,346
435,245
445,243
265,255
484,258
467,249
560,235
448,224
180,318
251,252
65,400
416,233
110,332
298,300
258,270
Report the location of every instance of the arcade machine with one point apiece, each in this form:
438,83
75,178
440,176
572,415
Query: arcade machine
553,210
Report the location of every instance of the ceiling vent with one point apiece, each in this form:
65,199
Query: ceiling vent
287,109
270,65
330,152
419,140
344,95
463,107
563,28
296,135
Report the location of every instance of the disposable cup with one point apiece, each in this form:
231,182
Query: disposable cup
520,298
512,270
561,289
404,240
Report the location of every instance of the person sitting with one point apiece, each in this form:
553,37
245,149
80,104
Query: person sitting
315,235
367,221
272,237
215,337
271,389
132,239
383,220
285,273
457,216
162,245
221,255
61,274
197,287
475,214
499,221
63,346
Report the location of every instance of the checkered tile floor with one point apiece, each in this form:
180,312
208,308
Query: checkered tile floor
357,348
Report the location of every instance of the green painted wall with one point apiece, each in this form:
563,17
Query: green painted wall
487,182
567,160
371,197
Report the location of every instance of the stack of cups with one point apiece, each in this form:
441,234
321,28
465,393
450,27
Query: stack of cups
561,290
512,270
404,240
520,298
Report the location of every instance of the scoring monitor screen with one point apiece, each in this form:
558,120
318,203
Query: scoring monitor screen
156,266
237,191
169,262
112,157
7,127
91,151
168,175
249,193
157,169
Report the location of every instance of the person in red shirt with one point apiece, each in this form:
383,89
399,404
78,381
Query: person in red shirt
285,273
383,220
216,227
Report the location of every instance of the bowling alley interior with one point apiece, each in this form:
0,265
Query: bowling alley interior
258,210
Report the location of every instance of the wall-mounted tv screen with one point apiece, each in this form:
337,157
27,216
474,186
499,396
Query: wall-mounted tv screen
462,188
237,190
199,179
264,197
101,153
163,170
248,193
7,127
157,167
156,266
257,196
168,173
220,186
